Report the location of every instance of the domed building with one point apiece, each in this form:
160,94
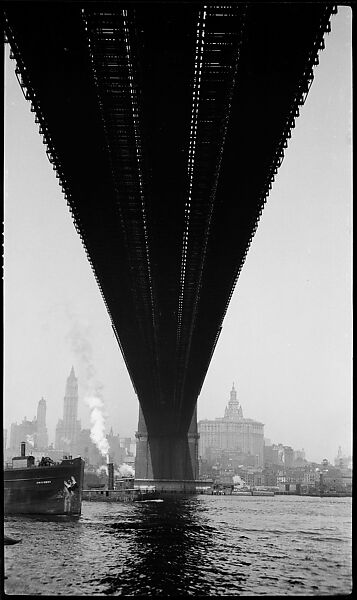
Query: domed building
232,432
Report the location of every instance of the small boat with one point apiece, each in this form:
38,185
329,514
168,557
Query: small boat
8,541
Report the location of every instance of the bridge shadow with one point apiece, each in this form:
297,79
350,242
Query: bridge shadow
169,546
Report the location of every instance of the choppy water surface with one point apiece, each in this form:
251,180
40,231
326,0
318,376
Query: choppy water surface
205,545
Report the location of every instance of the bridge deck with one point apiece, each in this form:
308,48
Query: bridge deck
166,124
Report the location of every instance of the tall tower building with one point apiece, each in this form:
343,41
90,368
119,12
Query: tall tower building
68,428
233,433
70,407
233,410
41,434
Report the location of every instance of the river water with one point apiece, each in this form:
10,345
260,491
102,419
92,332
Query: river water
199,546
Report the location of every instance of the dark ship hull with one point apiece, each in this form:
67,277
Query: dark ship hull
45,490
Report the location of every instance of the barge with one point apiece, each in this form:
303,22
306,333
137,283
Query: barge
48,488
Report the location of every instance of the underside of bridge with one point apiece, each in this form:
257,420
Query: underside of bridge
166,124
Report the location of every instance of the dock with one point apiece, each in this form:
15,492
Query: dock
124,495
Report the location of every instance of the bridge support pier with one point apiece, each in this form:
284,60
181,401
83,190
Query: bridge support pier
167,462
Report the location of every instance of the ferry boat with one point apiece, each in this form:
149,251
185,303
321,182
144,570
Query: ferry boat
48,488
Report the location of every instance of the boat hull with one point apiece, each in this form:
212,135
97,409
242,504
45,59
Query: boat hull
49,490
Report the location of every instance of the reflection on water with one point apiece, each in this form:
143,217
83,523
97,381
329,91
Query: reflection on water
170,540
45,518
206,545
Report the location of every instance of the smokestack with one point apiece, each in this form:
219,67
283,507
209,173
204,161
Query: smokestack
23,448
110,476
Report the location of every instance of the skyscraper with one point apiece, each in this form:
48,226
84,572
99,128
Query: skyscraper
34,432
68,428
232,433
41,436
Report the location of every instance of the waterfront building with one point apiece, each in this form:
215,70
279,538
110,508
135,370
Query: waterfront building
129,444
288,457
334,478
34,432
268,454
299,457
117,448
23,432
68,428
232,433
311,477
278,454
271,475
87,449
346,479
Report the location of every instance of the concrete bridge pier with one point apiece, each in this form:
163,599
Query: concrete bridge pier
168,461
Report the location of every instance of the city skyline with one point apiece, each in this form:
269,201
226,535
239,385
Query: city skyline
267,439
286,339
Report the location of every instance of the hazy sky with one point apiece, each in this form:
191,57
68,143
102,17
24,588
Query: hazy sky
286,339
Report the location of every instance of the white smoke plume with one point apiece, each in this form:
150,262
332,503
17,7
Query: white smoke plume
30,441
126,470
78,338
238,481
97,418
102,469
